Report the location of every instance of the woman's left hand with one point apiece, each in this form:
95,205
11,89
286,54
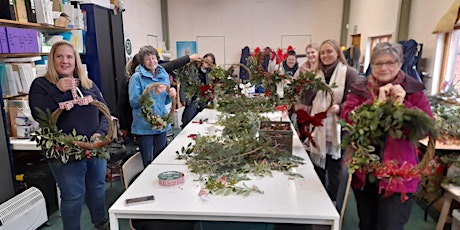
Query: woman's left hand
95,137
334,109
172,92
398,93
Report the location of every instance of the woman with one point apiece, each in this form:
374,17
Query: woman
312,58
151,141
77,179
124,108
192,106
290,65
387,82
326,155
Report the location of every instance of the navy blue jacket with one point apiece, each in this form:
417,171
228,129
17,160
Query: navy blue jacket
86,120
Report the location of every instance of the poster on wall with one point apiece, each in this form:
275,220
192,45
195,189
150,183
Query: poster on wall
185,48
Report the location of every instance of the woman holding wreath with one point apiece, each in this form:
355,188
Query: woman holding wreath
386,83
151,140
192,106
77,179
325,153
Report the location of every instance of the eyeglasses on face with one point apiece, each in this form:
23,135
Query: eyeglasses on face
389,64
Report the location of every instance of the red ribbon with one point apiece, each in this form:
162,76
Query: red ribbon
396,176
305,120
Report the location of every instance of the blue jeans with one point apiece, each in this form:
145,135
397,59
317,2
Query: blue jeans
76,179
151,146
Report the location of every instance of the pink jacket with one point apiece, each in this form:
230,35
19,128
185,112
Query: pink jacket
394,149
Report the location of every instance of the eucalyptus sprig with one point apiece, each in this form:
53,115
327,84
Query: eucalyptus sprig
213,157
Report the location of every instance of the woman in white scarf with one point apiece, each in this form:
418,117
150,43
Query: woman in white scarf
326,155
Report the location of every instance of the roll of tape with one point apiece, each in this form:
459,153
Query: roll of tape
170,178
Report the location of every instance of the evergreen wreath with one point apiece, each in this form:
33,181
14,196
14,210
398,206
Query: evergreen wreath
147,102
371,123
62,146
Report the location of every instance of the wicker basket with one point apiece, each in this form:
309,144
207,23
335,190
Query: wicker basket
279,134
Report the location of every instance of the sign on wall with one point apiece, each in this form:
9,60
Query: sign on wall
185,48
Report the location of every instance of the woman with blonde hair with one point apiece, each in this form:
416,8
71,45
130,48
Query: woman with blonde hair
78,180
326,154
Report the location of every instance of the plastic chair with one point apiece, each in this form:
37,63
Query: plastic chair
132,168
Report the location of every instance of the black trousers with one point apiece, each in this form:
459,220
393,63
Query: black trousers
329,176
376,212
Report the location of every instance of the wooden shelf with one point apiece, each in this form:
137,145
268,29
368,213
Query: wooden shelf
21,55
36,26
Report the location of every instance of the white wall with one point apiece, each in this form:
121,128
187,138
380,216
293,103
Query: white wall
142,18
253,23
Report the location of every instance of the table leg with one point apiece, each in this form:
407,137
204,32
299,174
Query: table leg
444,211
113,222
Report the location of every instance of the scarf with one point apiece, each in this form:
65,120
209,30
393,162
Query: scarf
374,85
330,131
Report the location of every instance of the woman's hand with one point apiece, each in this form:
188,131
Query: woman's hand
95,137
398,94
194,57
66,83
335,108
159,89
385,92
172,92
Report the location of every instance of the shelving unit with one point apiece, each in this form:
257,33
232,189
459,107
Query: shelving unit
36,26
7,169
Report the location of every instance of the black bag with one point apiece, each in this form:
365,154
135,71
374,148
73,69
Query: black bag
117,152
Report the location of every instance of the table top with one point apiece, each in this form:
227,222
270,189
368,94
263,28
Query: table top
285,199
441,145
299,200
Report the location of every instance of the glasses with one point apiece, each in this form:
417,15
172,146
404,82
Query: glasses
389,64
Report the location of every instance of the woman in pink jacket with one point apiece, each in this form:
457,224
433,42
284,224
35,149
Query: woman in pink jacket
387,82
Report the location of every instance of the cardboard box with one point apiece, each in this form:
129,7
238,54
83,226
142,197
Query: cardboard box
19,110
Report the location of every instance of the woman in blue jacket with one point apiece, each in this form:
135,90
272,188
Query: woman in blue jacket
151,141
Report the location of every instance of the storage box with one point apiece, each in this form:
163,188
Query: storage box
18,110
279,133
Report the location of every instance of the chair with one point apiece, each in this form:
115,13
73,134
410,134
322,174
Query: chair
132,168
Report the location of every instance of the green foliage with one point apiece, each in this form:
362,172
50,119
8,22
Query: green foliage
233,105
241,124
156,121
233,156
447,115
373,122
307,81
59,145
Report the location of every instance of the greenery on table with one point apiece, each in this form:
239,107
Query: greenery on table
233,105
214,158
446,111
